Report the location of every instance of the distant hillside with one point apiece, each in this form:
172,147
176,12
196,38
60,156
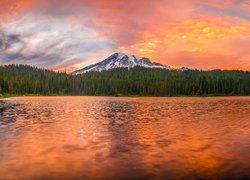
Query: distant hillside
138,81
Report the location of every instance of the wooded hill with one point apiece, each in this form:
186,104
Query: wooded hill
24,80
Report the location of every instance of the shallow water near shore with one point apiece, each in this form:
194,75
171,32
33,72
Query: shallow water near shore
127,137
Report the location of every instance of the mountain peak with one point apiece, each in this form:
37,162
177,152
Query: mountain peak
130,56
120,60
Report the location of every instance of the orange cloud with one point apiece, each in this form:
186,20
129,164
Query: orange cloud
205,43
201,34
10,8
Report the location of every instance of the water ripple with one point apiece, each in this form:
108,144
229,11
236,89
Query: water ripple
124,138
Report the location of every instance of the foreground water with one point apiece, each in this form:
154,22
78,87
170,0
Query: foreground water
121,138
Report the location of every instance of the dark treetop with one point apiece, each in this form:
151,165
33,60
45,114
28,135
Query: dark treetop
138,81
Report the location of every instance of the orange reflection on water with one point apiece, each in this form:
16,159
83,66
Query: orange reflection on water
99,137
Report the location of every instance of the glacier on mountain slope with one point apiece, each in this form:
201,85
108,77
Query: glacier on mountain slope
121,60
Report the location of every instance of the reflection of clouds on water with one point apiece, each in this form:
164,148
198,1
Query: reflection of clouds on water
114,138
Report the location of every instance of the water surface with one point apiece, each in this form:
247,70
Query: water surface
121,138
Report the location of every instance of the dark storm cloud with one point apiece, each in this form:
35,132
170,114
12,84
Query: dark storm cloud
53,50
9,53
6,41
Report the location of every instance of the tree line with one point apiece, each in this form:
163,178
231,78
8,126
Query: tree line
138,81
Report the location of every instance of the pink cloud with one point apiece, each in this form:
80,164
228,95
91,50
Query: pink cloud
157,29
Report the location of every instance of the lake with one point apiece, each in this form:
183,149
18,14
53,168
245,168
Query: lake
125,138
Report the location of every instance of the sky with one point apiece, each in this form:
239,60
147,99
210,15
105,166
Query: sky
66,35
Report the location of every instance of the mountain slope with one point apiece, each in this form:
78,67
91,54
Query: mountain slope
121,60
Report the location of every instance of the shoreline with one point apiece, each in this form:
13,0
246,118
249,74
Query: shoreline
129,96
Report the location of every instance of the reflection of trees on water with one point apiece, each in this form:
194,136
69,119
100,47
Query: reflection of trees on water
9,112
128,138
25,113
119,113
8,117
16,118
122,117
138,139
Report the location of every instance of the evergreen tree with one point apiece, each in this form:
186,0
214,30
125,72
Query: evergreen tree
139,81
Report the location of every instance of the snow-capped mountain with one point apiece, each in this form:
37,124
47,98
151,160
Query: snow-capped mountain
184,69
119,60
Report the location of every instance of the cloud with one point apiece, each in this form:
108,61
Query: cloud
231,12
48,42
69,34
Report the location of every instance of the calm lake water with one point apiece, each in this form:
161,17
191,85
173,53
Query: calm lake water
121,138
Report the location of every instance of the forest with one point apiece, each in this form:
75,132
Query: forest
18,80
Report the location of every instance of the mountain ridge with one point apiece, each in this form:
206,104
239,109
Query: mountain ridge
121,60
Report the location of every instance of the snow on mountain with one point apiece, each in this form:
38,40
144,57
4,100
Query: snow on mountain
184,69
119,60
